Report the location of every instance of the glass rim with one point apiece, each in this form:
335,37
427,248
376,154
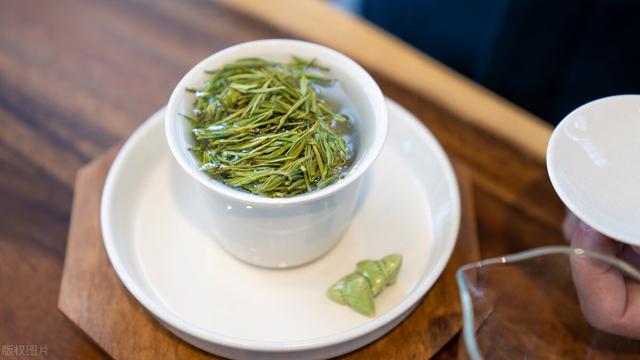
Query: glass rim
468,326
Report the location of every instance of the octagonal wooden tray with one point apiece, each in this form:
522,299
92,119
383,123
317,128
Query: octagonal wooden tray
92,296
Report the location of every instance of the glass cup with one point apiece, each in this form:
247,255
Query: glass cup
526,306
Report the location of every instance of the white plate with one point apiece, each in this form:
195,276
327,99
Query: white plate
593,159
162,252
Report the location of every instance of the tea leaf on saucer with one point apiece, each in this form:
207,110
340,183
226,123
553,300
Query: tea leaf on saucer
360,287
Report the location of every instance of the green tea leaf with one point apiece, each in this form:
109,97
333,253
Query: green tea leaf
262,127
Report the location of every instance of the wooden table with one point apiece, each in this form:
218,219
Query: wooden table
77,77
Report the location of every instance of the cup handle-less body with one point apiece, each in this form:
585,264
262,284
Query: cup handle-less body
279,236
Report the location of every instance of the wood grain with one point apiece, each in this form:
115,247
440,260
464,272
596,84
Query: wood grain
92,296
76,77
504,144
439,317
384,54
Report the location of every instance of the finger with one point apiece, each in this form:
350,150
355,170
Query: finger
601,288
630,255
569,225
589,239
629,324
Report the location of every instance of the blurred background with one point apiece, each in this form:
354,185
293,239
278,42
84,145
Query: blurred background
78,77
547,56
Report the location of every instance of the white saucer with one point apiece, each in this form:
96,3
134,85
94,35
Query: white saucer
162,252
593,159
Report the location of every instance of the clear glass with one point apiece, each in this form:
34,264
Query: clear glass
525,306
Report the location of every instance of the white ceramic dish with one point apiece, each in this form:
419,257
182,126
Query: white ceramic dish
159,245
593,163
283,232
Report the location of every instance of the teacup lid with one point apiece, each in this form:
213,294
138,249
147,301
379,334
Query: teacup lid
593,160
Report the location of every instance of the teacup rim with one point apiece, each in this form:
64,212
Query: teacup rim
290,46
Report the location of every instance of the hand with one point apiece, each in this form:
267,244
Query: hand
609,300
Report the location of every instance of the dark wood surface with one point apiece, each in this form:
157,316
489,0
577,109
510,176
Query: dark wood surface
92,296
76,77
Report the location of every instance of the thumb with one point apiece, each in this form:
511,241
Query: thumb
606,301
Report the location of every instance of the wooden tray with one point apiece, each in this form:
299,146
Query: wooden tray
92,296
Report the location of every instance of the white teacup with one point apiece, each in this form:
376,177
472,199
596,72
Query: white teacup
282,232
